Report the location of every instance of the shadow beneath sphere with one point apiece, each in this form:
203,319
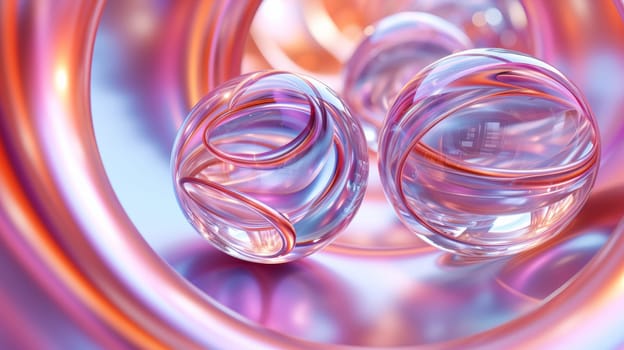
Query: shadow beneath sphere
300,299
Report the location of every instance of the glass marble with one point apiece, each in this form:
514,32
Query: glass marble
270,166
392,51
488,152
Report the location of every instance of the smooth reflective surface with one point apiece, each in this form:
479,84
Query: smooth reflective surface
393,50
83,240
425,297
488,152
319,36
270,167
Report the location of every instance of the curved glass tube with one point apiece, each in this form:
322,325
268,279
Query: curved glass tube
63,225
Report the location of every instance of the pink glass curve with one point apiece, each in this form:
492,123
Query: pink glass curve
111,288
270,166
488,152
393,50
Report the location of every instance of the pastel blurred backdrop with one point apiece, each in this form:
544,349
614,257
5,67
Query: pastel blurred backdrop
95,253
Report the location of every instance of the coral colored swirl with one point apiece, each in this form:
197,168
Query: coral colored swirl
489,152
270,166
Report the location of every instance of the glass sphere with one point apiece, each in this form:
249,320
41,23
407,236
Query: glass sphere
393,50
270,166
488,152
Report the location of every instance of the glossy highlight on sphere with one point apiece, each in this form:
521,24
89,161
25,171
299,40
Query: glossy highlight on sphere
270,166
392,52
488,152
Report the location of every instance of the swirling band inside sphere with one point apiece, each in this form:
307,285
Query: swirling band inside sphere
265,166
494,149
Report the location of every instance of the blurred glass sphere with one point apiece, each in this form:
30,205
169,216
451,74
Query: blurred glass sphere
392,51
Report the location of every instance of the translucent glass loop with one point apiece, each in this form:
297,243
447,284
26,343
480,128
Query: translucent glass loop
489,23
393,50
270,166
488,152
318,36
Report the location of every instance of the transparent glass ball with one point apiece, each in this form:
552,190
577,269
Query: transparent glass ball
391,53
488,152
270,166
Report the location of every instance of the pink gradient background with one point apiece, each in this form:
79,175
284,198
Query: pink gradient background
96,254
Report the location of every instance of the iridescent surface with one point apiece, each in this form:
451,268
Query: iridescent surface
319,36
488,152
270,166
488,23
393,50
82,240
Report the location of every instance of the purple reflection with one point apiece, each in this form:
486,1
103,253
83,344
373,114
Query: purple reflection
302,299
541,272
34,317
366,300
450,306
85,279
